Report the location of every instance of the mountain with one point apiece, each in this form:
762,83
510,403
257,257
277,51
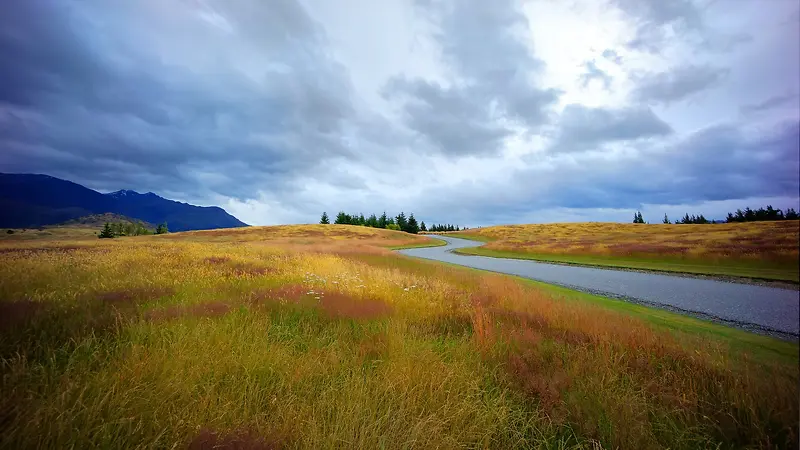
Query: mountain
32,200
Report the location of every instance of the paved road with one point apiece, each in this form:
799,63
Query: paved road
758,308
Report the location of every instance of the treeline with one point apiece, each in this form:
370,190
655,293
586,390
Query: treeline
445,228
399,222
748,215
761,214
117,229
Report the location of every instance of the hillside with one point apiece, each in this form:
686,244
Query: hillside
98,220
764,250
28,201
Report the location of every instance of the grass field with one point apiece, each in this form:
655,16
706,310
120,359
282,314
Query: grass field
320,337
763,250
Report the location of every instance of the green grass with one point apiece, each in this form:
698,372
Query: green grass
744,269
433,242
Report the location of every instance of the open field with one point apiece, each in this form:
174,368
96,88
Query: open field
763,250
319,337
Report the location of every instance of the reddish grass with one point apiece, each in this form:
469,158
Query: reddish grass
339,305
131,296
563,357
237,440
16,313
288,293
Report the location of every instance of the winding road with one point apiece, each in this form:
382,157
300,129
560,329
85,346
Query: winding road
757,308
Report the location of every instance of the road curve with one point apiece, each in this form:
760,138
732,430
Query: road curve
757,308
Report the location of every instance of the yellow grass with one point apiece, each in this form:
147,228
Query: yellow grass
319,337
766,250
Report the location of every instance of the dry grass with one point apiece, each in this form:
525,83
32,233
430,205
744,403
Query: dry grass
317,337
754,249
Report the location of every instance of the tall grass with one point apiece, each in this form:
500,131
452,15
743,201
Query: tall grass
756,249
313,341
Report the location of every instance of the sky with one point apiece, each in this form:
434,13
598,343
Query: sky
469,112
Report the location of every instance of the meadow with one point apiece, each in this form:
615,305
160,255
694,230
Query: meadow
761,250
320,337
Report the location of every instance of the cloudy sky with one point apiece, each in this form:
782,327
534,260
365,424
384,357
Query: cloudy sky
467,111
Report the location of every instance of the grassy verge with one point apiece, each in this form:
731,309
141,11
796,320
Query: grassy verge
755,270
431,242
314,337
761,347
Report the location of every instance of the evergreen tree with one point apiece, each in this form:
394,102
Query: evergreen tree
162,228
361,220
372,221
341,219
382,220
791,214
324,219
106,233
422,226
666,219
401,221
413,227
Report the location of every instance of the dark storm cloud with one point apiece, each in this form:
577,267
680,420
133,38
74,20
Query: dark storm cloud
480,41
584,128
97,108
454,121
714,164
677,84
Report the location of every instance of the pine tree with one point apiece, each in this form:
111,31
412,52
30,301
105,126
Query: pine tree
372,221
413,227
341,219
324,219
401,221
106,233
422,226
382,220
666,220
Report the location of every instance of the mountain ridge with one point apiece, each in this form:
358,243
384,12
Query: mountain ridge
32,200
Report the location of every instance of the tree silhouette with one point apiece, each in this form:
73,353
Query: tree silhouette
106,233
324,219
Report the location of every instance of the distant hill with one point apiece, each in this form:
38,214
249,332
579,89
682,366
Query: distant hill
98,220
28,200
